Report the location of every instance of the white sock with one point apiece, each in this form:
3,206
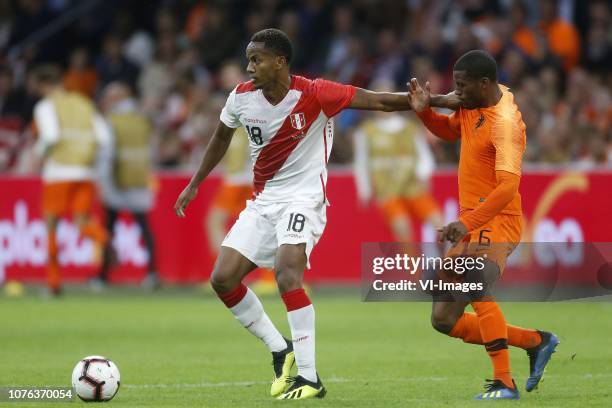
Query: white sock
302,323
250,313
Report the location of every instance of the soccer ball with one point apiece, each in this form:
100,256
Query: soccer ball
95,378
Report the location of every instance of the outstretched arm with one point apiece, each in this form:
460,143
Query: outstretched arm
212,156
397,101
380,101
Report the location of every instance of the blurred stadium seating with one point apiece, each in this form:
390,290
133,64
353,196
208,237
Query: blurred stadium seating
558,67
181,58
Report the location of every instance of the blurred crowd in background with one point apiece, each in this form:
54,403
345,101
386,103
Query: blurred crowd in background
182,58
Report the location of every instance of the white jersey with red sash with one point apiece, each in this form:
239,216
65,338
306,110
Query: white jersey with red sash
290,142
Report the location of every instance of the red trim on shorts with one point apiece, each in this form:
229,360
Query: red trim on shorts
296,299
233,297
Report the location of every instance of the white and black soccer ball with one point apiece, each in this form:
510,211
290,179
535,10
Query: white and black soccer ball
96,378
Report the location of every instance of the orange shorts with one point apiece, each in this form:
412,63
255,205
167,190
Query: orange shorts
61,197
232,198
495,240
421,207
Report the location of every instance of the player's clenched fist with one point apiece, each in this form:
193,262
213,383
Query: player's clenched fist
184,199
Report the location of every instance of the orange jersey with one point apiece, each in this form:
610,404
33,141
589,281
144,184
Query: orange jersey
492,139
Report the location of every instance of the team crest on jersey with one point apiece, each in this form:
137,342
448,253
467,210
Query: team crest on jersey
481,120
298,120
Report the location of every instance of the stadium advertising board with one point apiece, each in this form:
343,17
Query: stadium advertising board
558,207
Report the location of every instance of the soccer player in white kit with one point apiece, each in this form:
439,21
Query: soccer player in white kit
288,119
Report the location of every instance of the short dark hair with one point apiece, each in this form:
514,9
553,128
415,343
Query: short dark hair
477,64
276,41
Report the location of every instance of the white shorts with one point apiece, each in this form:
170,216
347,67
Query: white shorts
262,228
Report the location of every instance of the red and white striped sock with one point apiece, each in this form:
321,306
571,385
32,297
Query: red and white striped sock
301,316
247,308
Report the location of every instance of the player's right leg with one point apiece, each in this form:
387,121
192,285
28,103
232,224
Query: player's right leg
230,269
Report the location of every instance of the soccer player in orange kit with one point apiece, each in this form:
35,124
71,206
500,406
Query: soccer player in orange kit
492,135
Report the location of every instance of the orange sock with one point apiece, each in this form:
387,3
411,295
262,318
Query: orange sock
53,272
523,338
95,231
468,330
495,339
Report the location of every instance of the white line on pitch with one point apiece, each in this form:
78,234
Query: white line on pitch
335,380
249,383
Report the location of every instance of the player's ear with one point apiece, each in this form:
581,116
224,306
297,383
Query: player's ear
280,61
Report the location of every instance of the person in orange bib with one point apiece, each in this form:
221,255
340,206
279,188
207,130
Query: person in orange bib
71,137
492,133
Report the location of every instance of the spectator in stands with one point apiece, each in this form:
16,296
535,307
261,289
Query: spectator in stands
524,37
15,113
562,36
216,32
6,24
13,101
389,59
597,53
113,66
340,38
30,16
538,41
157,78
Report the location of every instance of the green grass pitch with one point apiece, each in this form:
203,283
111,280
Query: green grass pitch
186,350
